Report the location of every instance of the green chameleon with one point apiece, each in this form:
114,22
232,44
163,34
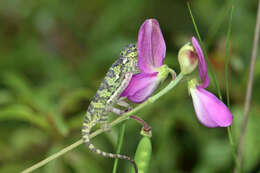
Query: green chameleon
108,95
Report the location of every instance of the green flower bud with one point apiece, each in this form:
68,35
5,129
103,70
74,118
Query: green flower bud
188,59
143,155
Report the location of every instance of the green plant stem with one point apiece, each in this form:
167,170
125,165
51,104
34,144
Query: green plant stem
120,119
227,88
233,148
219,19
146,127
227,56
249,87
119,145
211,72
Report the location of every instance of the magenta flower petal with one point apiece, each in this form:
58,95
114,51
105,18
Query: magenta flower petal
151,46
210,111
151,52
141,87
203,71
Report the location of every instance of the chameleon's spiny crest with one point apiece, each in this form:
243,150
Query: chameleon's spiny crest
114,83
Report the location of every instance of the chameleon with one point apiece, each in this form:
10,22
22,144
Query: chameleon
108,96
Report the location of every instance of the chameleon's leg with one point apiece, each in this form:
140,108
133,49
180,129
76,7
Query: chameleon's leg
104,124
116,111
123,103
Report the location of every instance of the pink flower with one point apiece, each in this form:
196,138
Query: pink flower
210,111
151,52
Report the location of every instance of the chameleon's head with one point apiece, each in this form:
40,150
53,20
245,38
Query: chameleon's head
129,57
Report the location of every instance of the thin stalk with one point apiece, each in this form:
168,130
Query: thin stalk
233,148
219,19
211,72
227,88
249,86
227,56
146,127
120,119
119,146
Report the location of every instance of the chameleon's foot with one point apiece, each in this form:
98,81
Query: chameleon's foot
116,111
129,108
106,127
123,103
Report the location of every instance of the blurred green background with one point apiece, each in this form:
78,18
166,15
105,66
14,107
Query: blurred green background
54,54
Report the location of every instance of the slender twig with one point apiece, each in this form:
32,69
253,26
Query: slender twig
227,88
218,22
119,120
249,86
227,56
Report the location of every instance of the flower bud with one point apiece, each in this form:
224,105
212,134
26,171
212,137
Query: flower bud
143,155
188,59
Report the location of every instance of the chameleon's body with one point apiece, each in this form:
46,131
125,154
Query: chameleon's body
107,96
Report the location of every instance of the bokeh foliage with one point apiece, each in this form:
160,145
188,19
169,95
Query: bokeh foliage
53,55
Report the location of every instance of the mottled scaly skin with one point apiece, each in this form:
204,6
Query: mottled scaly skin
114,83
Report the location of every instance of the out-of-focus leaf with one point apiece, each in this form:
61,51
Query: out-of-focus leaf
5,97
23,113
99,31
24,139
216,156
251,152
59,122
12,167
57,164
18,84
71,101
76,121
80,163
6,151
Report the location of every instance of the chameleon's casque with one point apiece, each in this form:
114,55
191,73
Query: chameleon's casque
107,96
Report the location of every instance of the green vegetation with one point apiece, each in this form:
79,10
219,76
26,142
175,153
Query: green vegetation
54,54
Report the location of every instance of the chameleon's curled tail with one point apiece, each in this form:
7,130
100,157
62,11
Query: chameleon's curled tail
87,126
